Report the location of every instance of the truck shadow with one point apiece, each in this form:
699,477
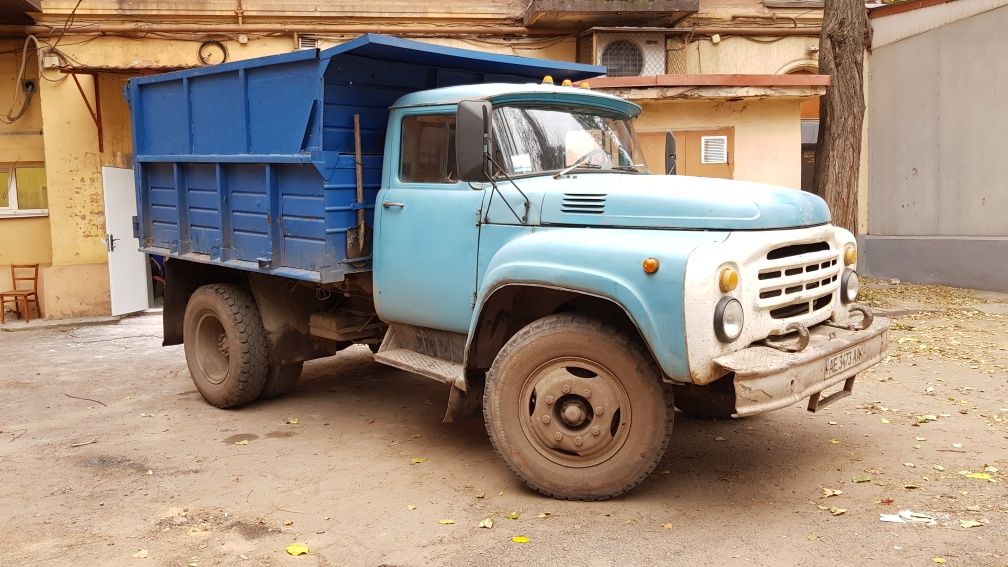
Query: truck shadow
713,461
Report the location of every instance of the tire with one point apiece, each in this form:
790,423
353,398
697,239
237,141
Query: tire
575,370
225,345
713,401
281,380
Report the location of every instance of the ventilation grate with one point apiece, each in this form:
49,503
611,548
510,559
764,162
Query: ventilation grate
714,149
583,203
307,41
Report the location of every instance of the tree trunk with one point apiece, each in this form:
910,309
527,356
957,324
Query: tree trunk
838,157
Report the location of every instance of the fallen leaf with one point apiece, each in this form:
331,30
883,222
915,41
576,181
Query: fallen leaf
520,539
910,486
288,522
991,469
938,468
911,465
446,522
668,526
938,560
827,492
861,478
296,549
920,438
411,507
970,524
543,515
719,438
140,554
417,460
977,475
193,562
481,496
293,421
486,523
884,420
511,515
957,445
242,442
832,422
837,511
886,501
834,442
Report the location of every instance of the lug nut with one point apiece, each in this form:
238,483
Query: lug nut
549,400
596,431
578,441
558,436
587,393
546,419
565,388
599,411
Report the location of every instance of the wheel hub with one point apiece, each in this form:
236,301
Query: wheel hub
578,412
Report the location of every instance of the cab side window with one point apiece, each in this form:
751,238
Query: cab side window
427,154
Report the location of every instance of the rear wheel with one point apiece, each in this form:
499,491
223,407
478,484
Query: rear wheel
225,345
577,408
281,379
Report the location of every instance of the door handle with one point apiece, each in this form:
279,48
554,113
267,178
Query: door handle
111,243
390,204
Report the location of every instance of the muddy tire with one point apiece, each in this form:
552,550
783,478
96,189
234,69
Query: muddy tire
281,380
713,401
225,345
577,408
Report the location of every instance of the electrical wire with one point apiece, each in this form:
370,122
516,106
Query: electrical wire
69,22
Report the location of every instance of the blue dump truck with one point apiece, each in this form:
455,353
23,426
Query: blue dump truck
499,235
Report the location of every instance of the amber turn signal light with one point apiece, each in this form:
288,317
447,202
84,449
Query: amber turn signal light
650,265
850,255
728,279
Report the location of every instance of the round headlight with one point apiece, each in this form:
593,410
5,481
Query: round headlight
728,319
850,285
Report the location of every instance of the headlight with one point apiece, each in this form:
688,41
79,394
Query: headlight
850,285
728,319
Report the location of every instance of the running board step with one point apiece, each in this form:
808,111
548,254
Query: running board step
429,366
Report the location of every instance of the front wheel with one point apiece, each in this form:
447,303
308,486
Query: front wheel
577,408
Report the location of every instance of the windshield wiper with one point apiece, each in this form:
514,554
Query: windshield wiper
632,168
579,162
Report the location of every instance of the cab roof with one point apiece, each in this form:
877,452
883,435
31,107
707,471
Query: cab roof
510,93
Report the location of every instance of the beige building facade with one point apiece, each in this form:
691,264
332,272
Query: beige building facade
733,71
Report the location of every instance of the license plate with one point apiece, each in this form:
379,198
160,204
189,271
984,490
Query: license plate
844,360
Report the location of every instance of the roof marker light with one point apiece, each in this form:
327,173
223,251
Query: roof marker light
547,80
566,83
585,85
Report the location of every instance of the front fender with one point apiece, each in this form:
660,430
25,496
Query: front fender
605,263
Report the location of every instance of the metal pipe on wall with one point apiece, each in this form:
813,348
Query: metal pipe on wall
402,30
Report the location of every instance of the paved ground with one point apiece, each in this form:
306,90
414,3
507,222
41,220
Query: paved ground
106,448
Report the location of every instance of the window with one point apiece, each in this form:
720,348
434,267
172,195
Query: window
427,154
23,189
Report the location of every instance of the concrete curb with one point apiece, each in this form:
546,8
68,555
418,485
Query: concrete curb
39,324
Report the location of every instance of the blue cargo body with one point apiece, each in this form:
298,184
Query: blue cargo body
251,164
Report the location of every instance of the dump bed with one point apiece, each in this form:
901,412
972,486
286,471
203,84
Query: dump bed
251,164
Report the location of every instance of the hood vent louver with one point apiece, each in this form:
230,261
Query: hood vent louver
583,203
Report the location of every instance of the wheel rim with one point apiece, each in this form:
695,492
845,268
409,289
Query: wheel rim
212,350
575,412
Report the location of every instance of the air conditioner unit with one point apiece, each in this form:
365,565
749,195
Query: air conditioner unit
629,54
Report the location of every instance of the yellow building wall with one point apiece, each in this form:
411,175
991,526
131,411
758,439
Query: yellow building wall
767,145
23,240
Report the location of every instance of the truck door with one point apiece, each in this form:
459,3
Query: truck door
427,229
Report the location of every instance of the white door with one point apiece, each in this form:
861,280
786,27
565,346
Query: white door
128,270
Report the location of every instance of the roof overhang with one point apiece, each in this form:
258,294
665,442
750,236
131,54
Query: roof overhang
580,14
714,87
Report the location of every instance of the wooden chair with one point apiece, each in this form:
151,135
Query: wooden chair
21,298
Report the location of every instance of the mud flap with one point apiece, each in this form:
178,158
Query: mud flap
462,404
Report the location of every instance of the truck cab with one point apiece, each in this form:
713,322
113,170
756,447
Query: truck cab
507,240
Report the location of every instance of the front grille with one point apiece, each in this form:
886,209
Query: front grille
798,279
583,203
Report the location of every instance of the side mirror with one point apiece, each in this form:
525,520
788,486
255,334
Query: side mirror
473,140
670,154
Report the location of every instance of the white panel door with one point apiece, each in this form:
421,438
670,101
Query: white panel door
128,271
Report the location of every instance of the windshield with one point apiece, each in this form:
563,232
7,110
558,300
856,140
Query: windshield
530,141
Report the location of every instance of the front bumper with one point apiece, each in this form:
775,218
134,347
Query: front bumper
767,378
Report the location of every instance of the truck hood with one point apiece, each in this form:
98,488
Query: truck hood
674,202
